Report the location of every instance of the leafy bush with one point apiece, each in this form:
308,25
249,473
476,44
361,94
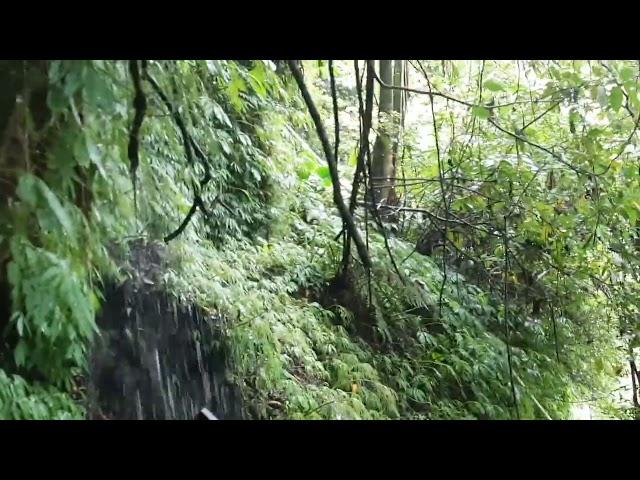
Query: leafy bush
22,401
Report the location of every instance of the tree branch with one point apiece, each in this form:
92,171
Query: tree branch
190,146
540,147
333,169
449,97
185,222
140,106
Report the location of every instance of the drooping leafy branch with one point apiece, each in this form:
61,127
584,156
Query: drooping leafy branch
140,106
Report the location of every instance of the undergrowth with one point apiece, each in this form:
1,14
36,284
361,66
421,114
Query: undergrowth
21,401
296,359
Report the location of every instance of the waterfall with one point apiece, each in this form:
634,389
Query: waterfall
157,359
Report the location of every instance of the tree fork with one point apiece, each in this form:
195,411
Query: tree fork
366,112
333,167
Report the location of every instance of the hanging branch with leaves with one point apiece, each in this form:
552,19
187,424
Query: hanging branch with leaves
190,146
140,107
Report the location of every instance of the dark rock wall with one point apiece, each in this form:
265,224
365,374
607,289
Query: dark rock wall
156,359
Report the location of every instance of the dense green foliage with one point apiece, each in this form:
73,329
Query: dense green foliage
535,200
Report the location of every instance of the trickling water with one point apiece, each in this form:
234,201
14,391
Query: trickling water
157,359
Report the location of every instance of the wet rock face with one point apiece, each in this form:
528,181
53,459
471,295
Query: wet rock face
156,359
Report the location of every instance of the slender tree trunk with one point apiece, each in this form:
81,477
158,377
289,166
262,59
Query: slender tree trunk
385,150
398,95
635,377
398,124
381,162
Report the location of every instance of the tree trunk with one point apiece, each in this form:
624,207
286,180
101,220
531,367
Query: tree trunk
385,150
398,109
398,95
381,162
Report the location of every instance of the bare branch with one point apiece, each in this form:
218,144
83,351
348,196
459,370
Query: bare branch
333,169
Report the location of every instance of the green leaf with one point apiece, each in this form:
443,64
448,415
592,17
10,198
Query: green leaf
555,73
323,172
306,168
574,118
213,66
634,99
615,99
321,72
56,207
20,324
80,151
235,87
353,158
220,114
73,80
26,190
627,73
13,273
257,79
494,86
632,215
630,87
481,112
97,91
56,101
20,353
95,155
